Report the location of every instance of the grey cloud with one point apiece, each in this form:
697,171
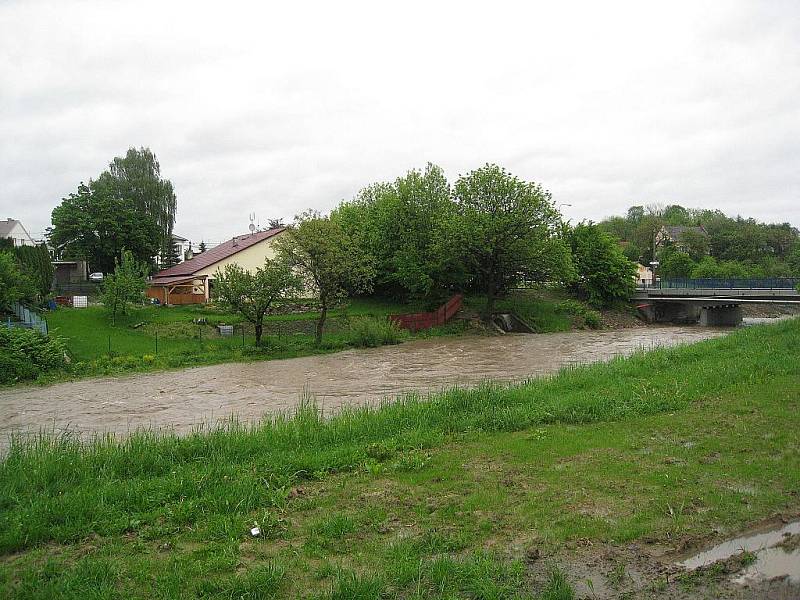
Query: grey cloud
277,108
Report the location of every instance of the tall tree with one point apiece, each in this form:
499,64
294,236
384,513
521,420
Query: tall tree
604,274
507,229
695,243
675,264
137,177
96,223
36,264
402,225
14,284
255,294
330,263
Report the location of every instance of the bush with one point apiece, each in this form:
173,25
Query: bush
370,332
25,353
582,315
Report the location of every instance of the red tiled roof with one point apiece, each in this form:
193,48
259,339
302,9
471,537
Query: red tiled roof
216,254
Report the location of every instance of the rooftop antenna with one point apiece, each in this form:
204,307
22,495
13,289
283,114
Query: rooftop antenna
252,224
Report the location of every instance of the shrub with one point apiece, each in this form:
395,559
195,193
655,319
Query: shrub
582,315
24,353
370,332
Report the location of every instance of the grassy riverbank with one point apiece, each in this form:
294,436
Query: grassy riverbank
450,496
156,338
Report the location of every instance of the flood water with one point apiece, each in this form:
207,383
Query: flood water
772,558
187,398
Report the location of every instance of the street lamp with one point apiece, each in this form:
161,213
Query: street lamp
653,266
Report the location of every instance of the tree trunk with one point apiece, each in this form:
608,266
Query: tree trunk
259,329
321,323
491,296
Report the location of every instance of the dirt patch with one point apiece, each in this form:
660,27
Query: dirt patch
620,319
763,563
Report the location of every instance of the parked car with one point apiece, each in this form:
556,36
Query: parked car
96,277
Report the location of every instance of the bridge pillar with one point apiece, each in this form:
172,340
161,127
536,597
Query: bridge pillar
721,316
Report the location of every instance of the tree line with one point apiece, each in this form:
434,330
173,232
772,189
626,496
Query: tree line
727,247
488,232
421,238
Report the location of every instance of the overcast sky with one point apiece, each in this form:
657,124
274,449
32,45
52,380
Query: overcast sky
274,108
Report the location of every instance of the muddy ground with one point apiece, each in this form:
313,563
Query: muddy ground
652,569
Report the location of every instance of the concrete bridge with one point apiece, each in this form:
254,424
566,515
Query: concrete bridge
711,301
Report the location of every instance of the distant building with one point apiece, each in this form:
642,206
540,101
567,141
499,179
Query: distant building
644,275
182,246
183,249
13,229
191,281
673,234
66,272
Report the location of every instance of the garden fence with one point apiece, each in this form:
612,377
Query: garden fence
28,318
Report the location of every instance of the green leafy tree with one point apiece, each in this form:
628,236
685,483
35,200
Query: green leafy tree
508,232
137,177
95,224
724,269
36,264
403,225
14,284
675,214
125,286
675,264
644,236
793,260
255,294
604,274
329,262
695,243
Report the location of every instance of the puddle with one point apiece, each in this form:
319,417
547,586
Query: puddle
772,560
772,563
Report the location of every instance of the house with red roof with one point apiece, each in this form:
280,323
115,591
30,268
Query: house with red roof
192,281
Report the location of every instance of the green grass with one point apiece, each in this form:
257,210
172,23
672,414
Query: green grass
436,497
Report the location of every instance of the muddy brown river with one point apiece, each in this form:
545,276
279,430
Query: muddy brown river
185,399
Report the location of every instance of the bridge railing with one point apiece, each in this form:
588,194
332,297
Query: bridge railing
768,283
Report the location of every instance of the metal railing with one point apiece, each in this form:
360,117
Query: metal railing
766,283
28,318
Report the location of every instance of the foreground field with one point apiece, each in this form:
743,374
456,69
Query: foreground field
598,473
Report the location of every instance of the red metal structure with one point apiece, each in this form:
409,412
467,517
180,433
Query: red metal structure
416,321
